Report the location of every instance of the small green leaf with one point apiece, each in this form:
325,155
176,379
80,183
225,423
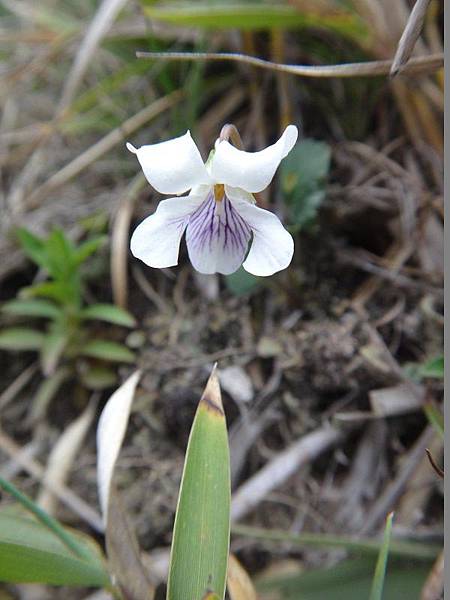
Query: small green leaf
34,247
31,308
21,338
241,283
59,291
60,252
98,378
303,175
199,553
433,368
106,350
376,592
109,313
85,249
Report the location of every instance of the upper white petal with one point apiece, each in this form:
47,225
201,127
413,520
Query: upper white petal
156,241
172,167
251,171
272,247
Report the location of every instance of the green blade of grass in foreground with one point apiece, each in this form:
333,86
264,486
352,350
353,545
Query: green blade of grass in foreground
376,593
32,553
199,554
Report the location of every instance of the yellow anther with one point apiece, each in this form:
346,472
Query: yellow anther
219,192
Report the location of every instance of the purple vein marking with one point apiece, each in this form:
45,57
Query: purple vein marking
218,225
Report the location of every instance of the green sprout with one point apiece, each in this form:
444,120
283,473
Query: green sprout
68,346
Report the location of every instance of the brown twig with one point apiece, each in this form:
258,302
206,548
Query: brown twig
421,64
433,463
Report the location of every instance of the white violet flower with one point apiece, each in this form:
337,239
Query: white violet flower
219,214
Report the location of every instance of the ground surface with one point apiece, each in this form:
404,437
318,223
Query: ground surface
307,349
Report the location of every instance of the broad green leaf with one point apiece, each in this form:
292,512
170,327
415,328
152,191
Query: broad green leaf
52,349
199,552
34,247
241,283
303,175
21,338
106,350
98,378
376,592
31,308
109,313
348,580
252,16
31,553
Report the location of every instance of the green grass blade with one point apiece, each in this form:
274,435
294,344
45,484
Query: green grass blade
31,553
376,592
45,519
199,554
43,551
359,546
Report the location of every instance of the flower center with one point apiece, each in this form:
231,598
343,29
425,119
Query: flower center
219,192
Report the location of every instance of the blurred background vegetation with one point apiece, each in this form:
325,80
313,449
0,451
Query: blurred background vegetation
348,338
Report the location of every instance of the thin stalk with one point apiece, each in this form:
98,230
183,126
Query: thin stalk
360,545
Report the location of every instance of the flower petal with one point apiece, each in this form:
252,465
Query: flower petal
251,171
217,237
156,241
272,246
172,167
